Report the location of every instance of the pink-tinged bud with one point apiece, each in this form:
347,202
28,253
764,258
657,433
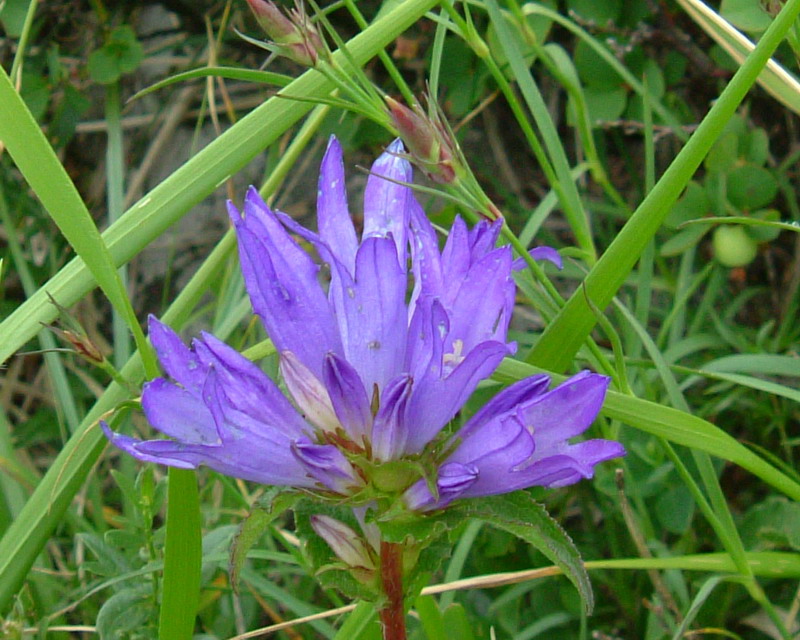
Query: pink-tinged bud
293,35
414,128
348,546
272,20
81,342
429,141
308,392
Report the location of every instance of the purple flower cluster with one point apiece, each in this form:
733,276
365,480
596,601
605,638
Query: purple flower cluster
373,374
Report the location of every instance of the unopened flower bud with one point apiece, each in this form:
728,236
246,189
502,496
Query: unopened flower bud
293,35
81,342
348,546
430,144
273,21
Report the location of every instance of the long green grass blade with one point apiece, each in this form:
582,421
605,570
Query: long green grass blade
181,558
36,159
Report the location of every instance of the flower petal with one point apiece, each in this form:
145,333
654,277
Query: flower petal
506,401
348,397
566,411
386,209
308,392
453,480
249,389
391,427
482,305
427,331
426,261
178,413
282,282
326,464
435,401
376,313
539,254
176,358
333,217
575,463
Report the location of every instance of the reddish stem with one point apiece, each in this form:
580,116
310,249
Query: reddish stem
393,615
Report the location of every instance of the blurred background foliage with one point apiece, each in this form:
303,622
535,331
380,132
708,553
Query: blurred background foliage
721,303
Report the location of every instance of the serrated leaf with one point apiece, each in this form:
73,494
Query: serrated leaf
109,561
522,516
273,503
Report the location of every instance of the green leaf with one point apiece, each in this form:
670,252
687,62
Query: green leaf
764,233
683,240
182,555
675,509
593,69
274,502
458,623
363,617
605,104
520,515
12,15
745,15
756,145
122,613
724,153
773,523
751,187
431,618
694,203
231,73
110,562
121,54
788,225
600,13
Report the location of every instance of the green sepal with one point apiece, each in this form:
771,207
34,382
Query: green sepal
271,505
520,515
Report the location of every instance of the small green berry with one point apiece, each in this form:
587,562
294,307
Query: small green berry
733,247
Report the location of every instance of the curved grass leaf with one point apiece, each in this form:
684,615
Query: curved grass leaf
790,225
231,73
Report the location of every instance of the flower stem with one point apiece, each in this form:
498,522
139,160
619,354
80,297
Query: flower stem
393,614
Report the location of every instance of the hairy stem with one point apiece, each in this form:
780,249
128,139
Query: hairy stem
392,615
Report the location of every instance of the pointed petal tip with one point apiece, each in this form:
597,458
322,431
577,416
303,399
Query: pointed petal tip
234,214
333,143
396,146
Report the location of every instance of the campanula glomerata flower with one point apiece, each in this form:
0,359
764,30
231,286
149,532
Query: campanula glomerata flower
374,373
